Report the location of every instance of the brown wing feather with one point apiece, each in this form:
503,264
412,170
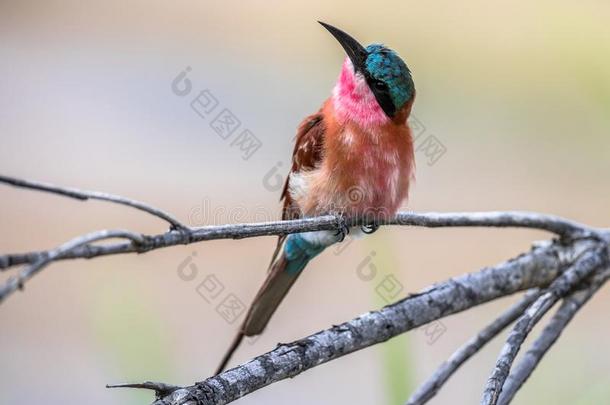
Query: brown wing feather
306,155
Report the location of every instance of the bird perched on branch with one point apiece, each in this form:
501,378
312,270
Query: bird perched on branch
354,157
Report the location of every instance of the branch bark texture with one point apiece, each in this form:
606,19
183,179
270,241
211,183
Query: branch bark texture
571,268
537,268
584,266
429,388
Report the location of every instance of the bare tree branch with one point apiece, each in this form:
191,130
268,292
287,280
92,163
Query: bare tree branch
186,236
573,268
92,195
431,386
562,227
183,235
570,306
582,268
535,269
551,223
498,219
15,283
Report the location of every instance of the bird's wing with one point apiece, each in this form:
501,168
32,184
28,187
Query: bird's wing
306,156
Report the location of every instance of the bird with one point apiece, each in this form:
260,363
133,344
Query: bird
353,158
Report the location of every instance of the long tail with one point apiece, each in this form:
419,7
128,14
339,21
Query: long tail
290,258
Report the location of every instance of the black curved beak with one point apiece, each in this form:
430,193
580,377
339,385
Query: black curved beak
354,50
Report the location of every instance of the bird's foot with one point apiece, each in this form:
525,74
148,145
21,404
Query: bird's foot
343,230
369,229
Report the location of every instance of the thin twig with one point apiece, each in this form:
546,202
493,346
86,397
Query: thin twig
534,269
15,283
560,320
562,227
184,237
161,389
554,224
499,219
582,268
430,387
84,195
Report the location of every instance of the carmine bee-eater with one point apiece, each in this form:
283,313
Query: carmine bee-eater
354,157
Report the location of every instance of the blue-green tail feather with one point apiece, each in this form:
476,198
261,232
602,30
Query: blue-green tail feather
299,251
290,258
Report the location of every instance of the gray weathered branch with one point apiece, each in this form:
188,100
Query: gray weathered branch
431,386
529,220
92,195
535,269
570,306
571,268
584,266
183,235
16,282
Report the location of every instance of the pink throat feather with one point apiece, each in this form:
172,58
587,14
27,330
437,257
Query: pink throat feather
353,100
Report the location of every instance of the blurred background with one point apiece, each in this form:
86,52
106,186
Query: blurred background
512,113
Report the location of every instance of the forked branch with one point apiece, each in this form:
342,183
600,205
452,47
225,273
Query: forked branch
536,269
571,268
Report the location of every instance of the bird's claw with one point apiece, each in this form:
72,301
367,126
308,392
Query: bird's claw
343,230
369,229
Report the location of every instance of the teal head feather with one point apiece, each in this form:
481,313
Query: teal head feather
389,73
